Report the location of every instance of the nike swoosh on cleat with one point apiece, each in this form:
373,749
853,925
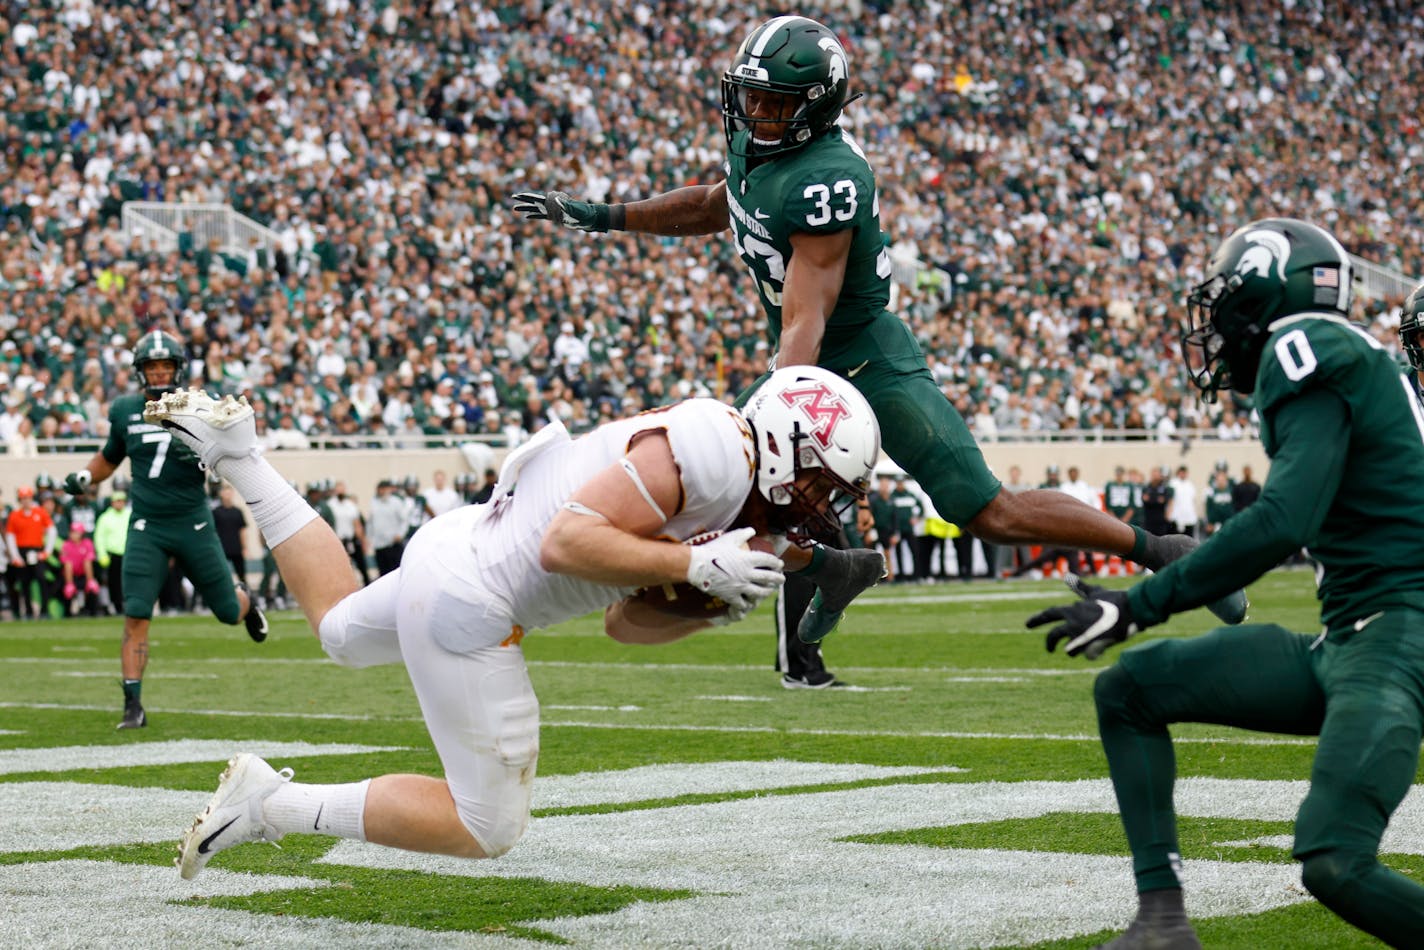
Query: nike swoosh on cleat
203,845
316,822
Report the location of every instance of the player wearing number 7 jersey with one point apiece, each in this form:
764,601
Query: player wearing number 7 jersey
171,517
800,198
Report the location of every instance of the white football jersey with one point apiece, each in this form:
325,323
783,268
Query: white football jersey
716,456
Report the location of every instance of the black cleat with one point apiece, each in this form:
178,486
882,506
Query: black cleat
255,620
818,680
1144,936
134,717
839,583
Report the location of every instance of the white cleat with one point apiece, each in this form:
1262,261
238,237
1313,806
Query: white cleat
214,429
234,814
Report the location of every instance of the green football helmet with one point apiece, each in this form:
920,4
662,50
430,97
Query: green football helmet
1267,270
154,347
1411,328
793,56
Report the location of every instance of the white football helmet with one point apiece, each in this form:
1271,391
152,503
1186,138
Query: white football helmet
805,418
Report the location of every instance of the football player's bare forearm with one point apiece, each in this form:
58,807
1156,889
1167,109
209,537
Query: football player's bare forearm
100,468
801,342
576,545
683,211
629,621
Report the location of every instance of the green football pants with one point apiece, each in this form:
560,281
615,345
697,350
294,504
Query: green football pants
193,542
1361,693
919,427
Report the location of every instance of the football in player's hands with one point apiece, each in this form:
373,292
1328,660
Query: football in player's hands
685,600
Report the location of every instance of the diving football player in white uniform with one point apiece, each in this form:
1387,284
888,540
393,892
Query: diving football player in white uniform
593,520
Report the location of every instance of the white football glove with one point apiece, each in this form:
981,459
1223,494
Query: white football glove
726,569
733,615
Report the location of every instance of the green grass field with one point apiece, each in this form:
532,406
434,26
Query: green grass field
955,797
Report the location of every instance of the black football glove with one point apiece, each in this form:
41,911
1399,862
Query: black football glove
559,208
1100,620
77,483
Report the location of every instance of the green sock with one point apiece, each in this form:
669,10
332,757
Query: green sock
818,560
1139,544
131,690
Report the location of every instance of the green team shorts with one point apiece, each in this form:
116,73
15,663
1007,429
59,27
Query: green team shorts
1361,692
919,427
192,541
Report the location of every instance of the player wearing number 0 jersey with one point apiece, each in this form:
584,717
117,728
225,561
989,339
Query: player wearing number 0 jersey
1346,440
171,518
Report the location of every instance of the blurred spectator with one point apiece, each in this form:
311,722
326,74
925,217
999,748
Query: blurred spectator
440,496
1049,174
110,538
1156,503
387,527
1182,511
76,560
1246,491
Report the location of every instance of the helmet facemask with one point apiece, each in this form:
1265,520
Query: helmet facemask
1411,329
808,509
791,57
155,390
817,442
158,347
794,114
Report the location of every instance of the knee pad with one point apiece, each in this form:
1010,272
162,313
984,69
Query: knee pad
497,812
1330,874
356,636
228,614
1111,691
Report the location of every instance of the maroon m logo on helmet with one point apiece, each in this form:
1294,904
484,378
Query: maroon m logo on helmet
821,407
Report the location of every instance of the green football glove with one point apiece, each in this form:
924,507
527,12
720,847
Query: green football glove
559,208
77,483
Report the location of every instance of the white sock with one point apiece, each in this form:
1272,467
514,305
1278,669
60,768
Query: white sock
276,507
318,809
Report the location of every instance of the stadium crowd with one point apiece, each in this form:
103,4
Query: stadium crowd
1051,173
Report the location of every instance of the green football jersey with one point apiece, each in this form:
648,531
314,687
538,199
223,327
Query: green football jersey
166,477
823,188
1117,496
1368,544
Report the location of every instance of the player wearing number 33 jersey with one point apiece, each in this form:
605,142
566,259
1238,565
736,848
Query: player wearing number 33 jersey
823,188
800,199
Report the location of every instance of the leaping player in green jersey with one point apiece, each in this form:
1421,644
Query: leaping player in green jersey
1346,440
800,199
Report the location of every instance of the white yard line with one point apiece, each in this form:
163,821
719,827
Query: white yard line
651,727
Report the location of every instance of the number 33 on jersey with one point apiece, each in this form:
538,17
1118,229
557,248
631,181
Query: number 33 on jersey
825,187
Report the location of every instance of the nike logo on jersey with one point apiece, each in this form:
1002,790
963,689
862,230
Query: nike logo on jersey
851,373
203,845
200,526
761,215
